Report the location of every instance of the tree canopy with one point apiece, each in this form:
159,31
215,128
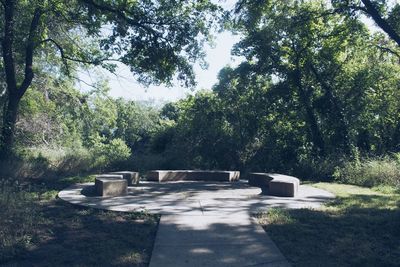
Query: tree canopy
315,85
156,39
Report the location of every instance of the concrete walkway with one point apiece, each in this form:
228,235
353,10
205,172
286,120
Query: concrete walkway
204,224
184,240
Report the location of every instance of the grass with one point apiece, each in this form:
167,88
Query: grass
37,229
360,228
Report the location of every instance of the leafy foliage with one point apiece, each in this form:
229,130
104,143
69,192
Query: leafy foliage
316,90
158,40
316,87
371,172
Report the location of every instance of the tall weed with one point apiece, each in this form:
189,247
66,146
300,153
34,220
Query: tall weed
370,172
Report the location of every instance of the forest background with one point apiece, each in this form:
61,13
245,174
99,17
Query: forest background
316,96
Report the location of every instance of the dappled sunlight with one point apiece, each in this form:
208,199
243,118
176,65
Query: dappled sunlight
213,241
312,91
206,222
72,235
196,198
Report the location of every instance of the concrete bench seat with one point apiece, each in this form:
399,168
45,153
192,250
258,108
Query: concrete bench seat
277,184
284,186
131,177
259,179
192,175
110,185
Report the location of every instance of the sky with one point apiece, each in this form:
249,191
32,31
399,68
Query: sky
124,84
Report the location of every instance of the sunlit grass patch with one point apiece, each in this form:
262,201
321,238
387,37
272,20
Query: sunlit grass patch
360,228
352,197
274,216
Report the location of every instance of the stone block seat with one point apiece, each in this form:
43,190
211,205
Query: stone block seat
193,175
277,184
110,185
131,177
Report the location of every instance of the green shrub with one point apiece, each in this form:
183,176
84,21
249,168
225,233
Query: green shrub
370,172
39,162
118,151
109,154
149,161
317,169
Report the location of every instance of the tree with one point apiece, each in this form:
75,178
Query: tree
282,41
388,19
136,123
155,38
316,54
246,100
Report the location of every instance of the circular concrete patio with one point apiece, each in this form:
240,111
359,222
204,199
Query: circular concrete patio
195,198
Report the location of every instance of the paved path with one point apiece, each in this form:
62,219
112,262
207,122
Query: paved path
204,224
210,241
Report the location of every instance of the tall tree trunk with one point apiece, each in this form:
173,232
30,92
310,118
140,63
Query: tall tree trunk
15,92
337,110
9,120
10,114
311,119
395,144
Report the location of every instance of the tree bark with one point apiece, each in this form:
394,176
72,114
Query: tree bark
380,21
395,144
10,118
10,114
15,92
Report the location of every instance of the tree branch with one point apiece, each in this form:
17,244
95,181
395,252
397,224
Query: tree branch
389,50
65,57
61,49
380,21
7,45
29,52
121,14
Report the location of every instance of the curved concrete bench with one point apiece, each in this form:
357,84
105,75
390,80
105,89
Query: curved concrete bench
277,184
110,185
190,175
259,179
284,185
131,177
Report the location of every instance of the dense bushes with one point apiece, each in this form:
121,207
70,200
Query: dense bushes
370,171
37,162
62,131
